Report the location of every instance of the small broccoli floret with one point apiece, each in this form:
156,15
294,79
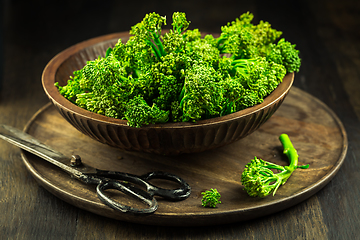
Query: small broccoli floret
210,198
180,23
200,97
149,31
203,50
242,39
284,53
258,77
192,35
164,80
176,112
139,113
232,91
104,90
174,41
73,87
258,178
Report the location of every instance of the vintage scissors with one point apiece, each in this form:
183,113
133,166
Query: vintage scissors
104,180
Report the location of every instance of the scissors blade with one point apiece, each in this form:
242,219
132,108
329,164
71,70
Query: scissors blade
32,145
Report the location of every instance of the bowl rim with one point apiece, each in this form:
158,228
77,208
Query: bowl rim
49,77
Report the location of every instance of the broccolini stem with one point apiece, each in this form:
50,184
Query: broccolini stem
122,78
159,44
289,151
182,94
242,62
137,73
153,40
154,48
219,42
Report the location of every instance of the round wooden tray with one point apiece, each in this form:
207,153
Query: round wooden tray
316,132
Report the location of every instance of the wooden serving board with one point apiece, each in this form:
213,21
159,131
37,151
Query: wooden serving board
316,132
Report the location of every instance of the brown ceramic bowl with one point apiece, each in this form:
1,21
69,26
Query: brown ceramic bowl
168,138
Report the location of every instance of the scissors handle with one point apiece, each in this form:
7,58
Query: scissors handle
172,194
108,180
129,190
180,193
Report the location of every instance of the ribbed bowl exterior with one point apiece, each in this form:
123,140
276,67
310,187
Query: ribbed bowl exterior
165,139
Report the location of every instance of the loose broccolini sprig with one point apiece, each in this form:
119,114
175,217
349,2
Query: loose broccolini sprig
258,178
211,198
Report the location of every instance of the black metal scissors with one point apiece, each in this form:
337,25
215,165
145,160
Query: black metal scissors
103,179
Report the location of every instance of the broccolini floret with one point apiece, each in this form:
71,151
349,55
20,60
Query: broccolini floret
210,198
149,31
243,39
258,177
178,75
284,53
139,113
200,97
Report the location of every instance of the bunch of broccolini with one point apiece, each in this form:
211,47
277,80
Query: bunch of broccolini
178,75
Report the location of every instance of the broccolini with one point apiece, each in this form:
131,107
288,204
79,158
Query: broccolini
210,198
177,75
258,178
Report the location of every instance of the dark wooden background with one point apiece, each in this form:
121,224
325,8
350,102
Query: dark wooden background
326,32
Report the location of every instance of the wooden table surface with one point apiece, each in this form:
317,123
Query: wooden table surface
32,32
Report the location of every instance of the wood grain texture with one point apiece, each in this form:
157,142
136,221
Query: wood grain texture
325,32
